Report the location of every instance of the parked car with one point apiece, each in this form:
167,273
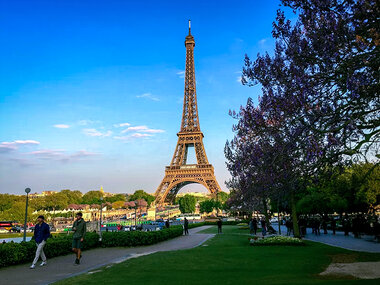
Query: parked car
2,230
274,220
15,229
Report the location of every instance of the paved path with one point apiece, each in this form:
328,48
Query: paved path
366,243
62,267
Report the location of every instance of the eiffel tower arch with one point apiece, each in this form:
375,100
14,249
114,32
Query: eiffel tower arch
179,173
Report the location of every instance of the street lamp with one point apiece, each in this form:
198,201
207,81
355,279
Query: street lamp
27,190
101,216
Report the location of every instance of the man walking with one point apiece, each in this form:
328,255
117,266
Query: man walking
186,226
41,234
253,226
219,223
79,229
263,227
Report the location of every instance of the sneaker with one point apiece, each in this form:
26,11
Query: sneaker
43,263
77,261
32,266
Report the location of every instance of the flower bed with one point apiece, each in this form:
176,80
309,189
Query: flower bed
276,240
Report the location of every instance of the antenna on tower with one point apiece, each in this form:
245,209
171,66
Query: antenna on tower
189,27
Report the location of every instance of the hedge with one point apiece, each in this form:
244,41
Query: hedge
17,253
138,238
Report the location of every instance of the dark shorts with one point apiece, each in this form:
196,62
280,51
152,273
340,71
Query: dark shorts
77,243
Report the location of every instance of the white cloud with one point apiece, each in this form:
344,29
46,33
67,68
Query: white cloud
48,153
132,136
85,122
26,142
61,126
153,131
136,129
262,41
61,155
138,135
96,133
148,96
10,146
181,74
142,129
121,125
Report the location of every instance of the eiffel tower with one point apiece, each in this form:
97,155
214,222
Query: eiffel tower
179,174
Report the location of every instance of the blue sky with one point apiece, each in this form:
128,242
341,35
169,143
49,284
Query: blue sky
91,91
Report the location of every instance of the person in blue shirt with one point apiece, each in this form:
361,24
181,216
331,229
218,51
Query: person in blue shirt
41,234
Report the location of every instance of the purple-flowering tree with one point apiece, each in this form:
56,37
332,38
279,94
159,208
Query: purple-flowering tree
320,100
331,55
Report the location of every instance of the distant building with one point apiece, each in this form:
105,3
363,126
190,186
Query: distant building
196,194
47,193
105,194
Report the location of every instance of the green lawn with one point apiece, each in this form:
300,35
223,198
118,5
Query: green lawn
14,235
229,259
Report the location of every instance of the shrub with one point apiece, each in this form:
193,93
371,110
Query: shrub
195,225
137,238
276,240
225,223
17,253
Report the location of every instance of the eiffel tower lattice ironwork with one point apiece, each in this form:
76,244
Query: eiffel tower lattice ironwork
179,174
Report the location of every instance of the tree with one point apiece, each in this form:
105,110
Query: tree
73,197
118,204
327,62
187,204
56,201
7,200
207,206
117,197
17,213
141,194
92,197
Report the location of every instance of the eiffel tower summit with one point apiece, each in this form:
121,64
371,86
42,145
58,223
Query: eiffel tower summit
179,173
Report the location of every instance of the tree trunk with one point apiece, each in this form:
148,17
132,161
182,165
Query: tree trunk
278,217
266,212
296,228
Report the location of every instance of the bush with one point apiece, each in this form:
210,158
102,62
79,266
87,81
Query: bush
276,240
195,225
17,253
138,238
226,223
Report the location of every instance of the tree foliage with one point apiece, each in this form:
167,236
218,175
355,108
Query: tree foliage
187,204
141,194
319,103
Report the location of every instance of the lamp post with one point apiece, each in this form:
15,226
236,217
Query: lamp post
27,190
101,216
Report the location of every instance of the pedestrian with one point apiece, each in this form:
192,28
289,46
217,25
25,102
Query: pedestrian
79,228
253,226
167,224
333,225
219,224
288,225
41,234
186,226
4,241
346,225
263,227
324,224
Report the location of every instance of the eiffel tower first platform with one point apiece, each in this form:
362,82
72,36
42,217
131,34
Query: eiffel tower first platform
179,174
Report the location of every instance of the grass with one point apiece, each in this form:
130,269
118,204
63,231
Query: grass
229,259
14,235
29,234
